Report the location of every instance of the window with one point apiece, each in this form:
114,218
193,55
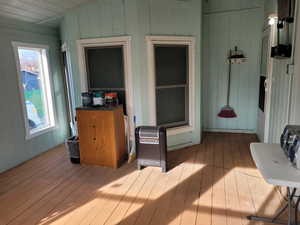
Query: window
171,74
171,70
105,70
105,64
35,88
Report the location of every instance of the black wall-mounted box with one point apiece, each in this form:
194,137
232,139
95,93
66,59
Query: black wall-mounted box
281,51
286,10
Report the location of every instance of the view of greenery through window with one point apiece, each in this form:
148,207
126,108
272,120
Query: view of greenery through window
30,64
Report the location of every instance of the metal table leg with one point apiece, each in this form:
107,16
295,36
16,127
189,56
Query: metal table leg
296,210
288,206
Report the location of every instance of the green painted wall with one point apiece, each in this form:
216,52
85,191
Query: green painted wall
282,88
295,103
279,100
14,149
238,23
213,6
270,7
137,18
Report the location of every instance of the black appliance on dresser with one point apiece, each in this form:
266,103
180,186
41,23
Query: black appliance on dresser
151,147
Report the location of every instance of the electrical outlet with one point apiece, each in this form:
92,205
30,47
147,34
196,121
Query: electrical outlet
290,69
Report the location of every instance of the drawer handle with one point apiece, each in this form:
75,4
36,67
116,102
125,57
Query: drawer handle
94,139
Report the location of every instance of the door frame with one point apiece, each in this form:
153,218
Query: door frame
271,31
125,42
69,85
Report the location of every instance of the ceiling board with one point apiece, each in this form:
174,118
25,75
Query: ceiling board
37,11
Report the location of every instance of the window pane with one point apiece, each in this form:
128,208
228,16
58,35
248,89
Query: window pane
34,89
171,106
171,64
105,67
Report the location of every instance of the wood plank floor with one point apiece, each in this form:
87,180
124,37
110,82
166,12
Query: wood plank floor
215,183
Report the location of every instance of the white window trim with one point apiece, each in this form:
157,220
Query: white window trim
49,88
71,99
125,42
171,40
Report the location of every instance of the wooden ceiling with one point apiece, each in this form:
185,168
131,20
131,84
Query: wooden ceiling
37,11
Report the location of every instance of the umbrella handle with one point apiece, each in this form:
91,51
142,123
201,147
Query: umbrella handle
229,79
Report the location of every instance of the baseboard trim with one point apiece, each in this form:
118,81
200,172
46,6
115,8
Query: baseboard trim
179,146
230,131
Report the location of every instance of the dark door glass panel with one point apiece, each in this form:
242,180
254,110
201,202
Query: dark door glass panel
105,67
171,106
262,93
171,64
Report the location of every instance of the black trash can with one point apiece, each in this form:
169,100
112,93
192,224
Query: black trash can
72,145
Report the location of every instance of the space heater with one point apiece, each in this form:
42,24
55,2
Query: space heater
151,147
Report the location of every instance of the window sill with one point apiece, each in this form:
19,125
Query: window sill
40,132
179,130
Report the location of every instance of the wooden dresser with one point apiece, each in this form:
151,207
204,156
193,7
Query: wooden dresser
101,135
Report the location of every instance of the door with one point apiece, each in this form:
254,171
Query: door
265,84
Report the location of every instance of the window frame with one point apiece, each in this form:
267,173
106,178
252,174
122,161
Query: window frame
125,42
47,84
88,71
189,41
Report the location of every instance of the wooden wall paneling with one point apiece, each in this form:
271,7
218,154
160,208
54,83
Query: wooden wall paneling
95,21
14,148
135,24
204,77
219,6
222,32
240,77
255,54
118,17
279,100
106,18
206,69
83,19
138,18
223,49
72,21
